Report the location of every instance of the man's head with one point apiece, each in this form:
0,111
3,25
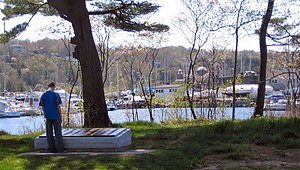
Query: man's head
51,85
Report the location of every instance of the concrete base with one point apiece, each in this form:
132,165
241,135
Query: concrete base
127,152
91,139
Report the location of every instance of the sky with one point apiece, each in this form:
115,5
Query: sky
168,11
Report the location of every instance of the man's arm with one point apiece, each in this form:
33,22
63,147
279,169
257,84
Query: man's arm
43,110
58,103
59,111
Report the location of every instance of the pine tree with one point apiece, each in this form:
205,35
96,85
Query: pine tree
121,14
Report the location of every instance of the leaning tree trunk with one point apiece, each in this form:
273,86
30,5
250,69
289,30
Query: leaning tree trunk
95,110
263,61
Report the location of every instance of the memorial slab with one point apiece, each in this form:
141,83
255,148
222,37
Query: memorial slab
90,139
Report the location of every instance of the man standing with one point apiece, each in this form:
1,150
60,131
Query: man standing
50,101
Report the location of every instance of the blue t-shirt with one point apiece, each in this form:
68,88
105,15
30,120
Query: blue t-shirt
50,100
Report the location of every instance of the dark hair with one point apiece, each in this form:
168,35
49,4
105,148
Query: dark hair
52,84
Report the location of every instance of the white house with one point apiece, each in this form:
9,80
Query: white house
168,90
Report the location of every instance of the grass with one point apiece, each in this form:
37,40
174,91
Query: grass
177,146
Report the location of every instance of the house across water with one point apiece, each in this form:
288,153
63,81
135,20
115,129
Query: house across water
168,90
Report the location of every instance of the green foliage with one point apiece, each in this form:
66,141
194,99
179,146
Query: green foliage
126,15
4,38
142,125
238,80
280,26
128,9
3,133
277,20
26,73
17,8
122,15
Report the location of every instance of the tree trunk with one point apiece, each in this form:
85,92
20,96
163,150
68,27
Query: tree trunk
263,61
234,73
95,110
189,86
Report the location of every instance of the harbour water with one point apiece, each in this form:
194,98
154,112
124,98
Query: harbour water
27,124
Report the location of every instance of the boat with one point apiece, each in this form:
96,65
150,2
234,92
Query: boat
75,100
281,105
111,106
6,111
71,104
30,111
240,102
30,106
128,101
64,96
246,90
33,100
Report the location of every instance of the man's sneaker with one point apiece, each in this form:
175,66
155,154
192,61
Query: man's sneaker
51,150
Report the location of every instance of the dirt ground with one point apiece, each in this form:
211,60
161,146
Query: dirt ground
262,157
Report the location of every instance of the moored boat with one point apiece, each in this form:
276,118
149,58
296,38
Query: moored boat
276,106
111,106
30,111
6,111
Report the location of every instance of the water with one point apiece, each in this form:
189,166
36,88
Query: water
27,124
22,125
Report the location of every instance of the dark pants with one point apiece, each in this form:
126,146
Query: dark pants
59,146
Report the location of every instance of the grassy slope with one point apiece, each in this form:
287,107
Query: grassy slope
177,146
